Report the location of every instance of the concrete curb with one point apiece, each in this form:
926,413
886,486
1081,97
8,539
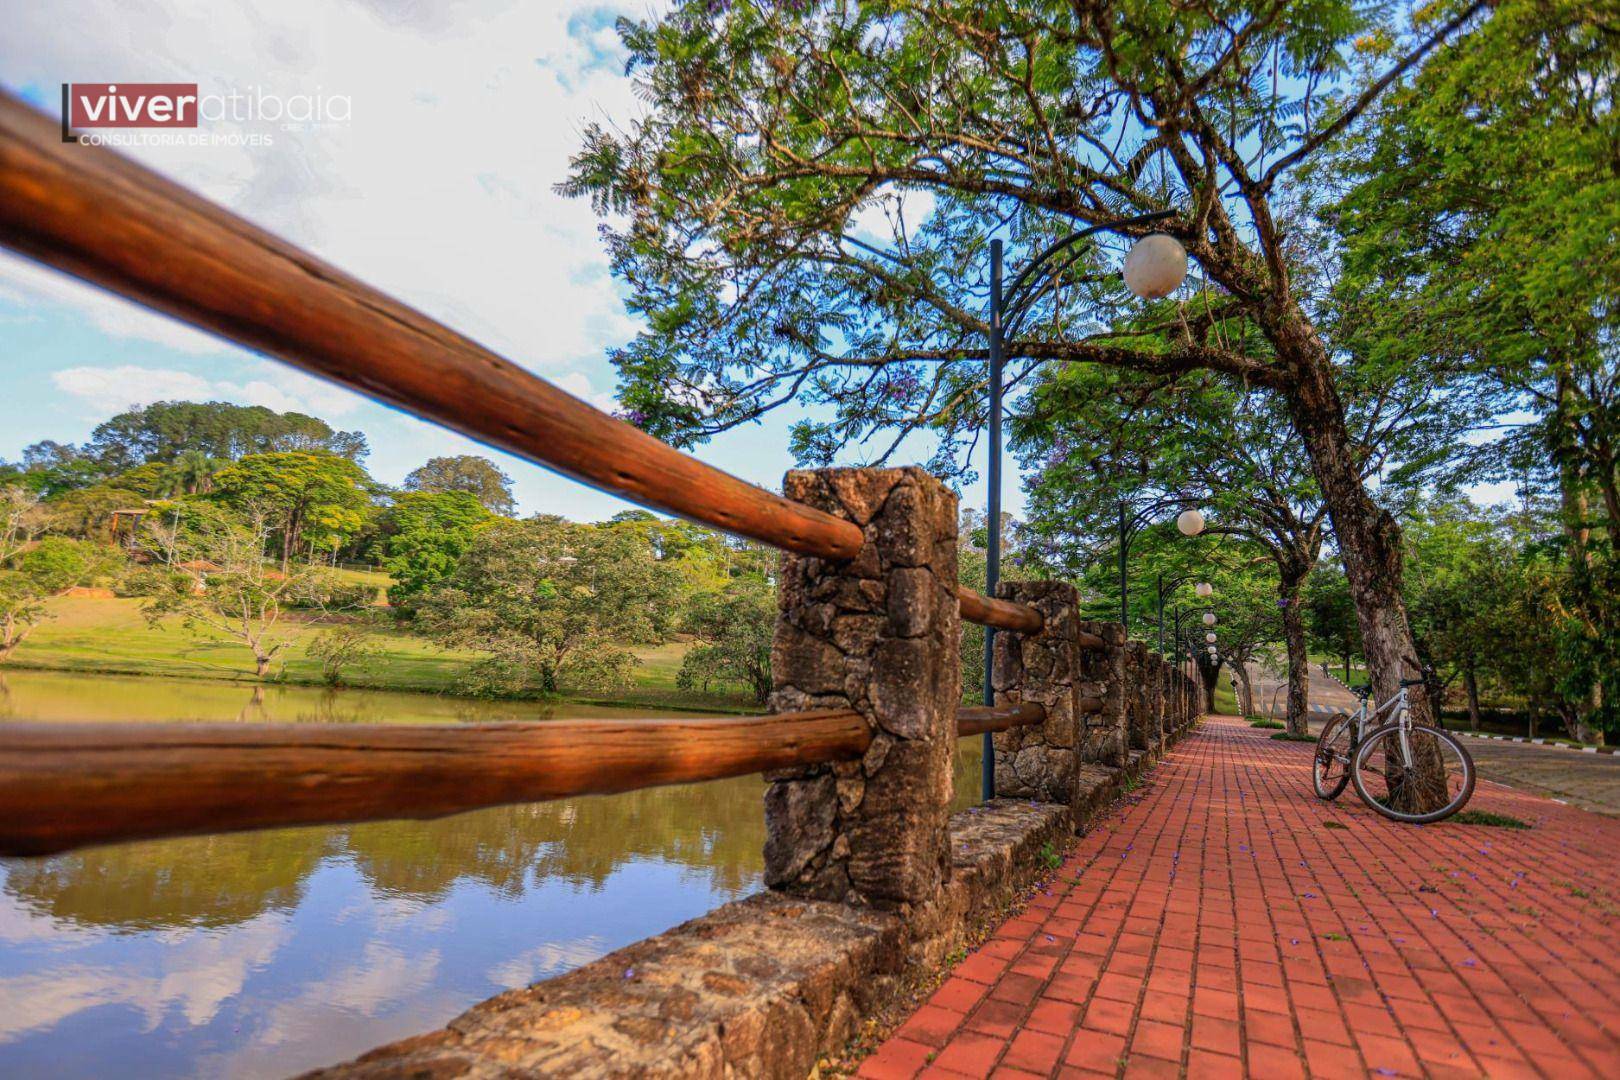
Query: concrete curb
1538,742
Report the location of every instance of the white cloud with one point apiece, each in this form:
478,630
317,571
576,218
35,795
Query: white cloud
109,390
25,285
440,188
579,384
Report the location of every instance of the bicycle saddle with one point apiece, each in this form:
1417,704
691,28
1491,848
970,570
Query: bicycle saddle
1411,682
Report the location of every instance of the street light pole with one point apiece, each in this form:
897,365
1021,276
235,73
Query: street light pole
992,553
1155,275
1124,578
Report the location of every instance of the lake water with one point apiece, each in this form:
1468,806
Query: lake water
263,954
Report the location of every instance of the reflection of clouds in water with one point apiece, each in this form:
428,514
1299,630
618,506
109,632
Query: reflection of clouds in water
19,926
395,912
202,971
339,1015
546,960
381,976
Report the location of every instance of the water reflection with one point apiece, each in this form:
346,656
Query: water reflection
261,954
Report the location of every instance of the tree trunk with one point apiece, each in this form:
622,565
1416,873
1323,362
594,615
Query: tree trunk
262,663
1245,690
1471,685
1299,664
11,636
1581,729
1208,674
1368,536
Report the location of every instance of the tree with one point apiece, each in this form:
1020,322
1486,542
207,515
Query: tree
21,600
167,430
478,476
50,468
315,498
1190,438
733,632
552,602
87,513
342,647
1453,254
777,134
56,563
1251,616
219,580
1331,615
421,537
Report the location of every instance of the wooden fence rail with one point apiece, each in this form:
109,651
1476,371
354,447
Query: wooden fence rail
102,217
978,719
67,785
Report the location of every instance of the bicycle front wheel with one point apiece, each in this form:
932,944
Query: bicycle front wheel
1417,774
1330,768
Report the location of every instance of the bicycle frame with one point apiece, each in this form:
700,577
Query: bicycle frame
1364,719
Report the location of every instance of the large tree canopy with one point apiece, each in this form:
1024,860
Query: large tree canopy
806,207
478,476
166,430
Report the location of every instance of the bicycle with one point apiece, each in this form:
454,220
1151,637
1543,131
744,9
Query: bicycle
1384,762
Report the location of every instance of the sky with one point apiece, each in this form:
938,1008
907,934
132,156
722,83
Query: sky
438,189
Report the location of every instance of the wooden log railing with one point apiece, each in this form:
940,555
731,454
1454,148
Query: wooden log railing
978,719
101,217
91,213
64,786
1001,614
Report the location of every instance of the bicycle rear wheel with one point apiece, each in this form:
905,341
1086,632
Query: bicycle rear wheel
1417,775
1335,748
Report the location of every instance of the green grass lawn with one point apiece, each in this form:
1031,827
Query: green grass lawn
112,636
1225,700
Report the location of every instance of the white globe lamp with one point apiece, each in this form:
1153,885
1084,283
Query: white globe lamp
1210,638
1204,588
1191,523
1209,618
1155,266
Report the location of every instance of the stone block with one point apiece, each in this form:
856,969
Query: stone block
877,635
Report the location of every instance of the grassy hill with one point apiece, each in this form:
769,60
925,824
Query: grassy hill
110,635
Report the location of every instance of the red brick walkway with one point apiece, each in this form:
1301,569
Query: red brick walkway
1217,926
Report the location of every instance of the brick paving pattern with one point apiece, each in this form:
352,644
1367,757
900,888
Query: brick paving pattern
1215,925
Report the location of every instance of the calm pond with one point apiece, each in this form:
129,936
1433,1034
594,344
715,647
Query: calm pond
263,954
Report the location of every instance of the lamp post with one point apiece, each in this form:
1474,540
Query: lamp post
1154,268
1163,587
1189,522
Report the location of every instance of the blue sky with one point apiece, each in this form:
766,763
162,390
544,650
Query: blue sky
438,190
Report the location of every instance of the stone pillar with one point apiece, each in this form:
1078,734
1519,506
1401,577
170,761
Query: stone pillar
1160,700
1102,678
1153,700
1172,700
881,635
1040,762
1138,722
